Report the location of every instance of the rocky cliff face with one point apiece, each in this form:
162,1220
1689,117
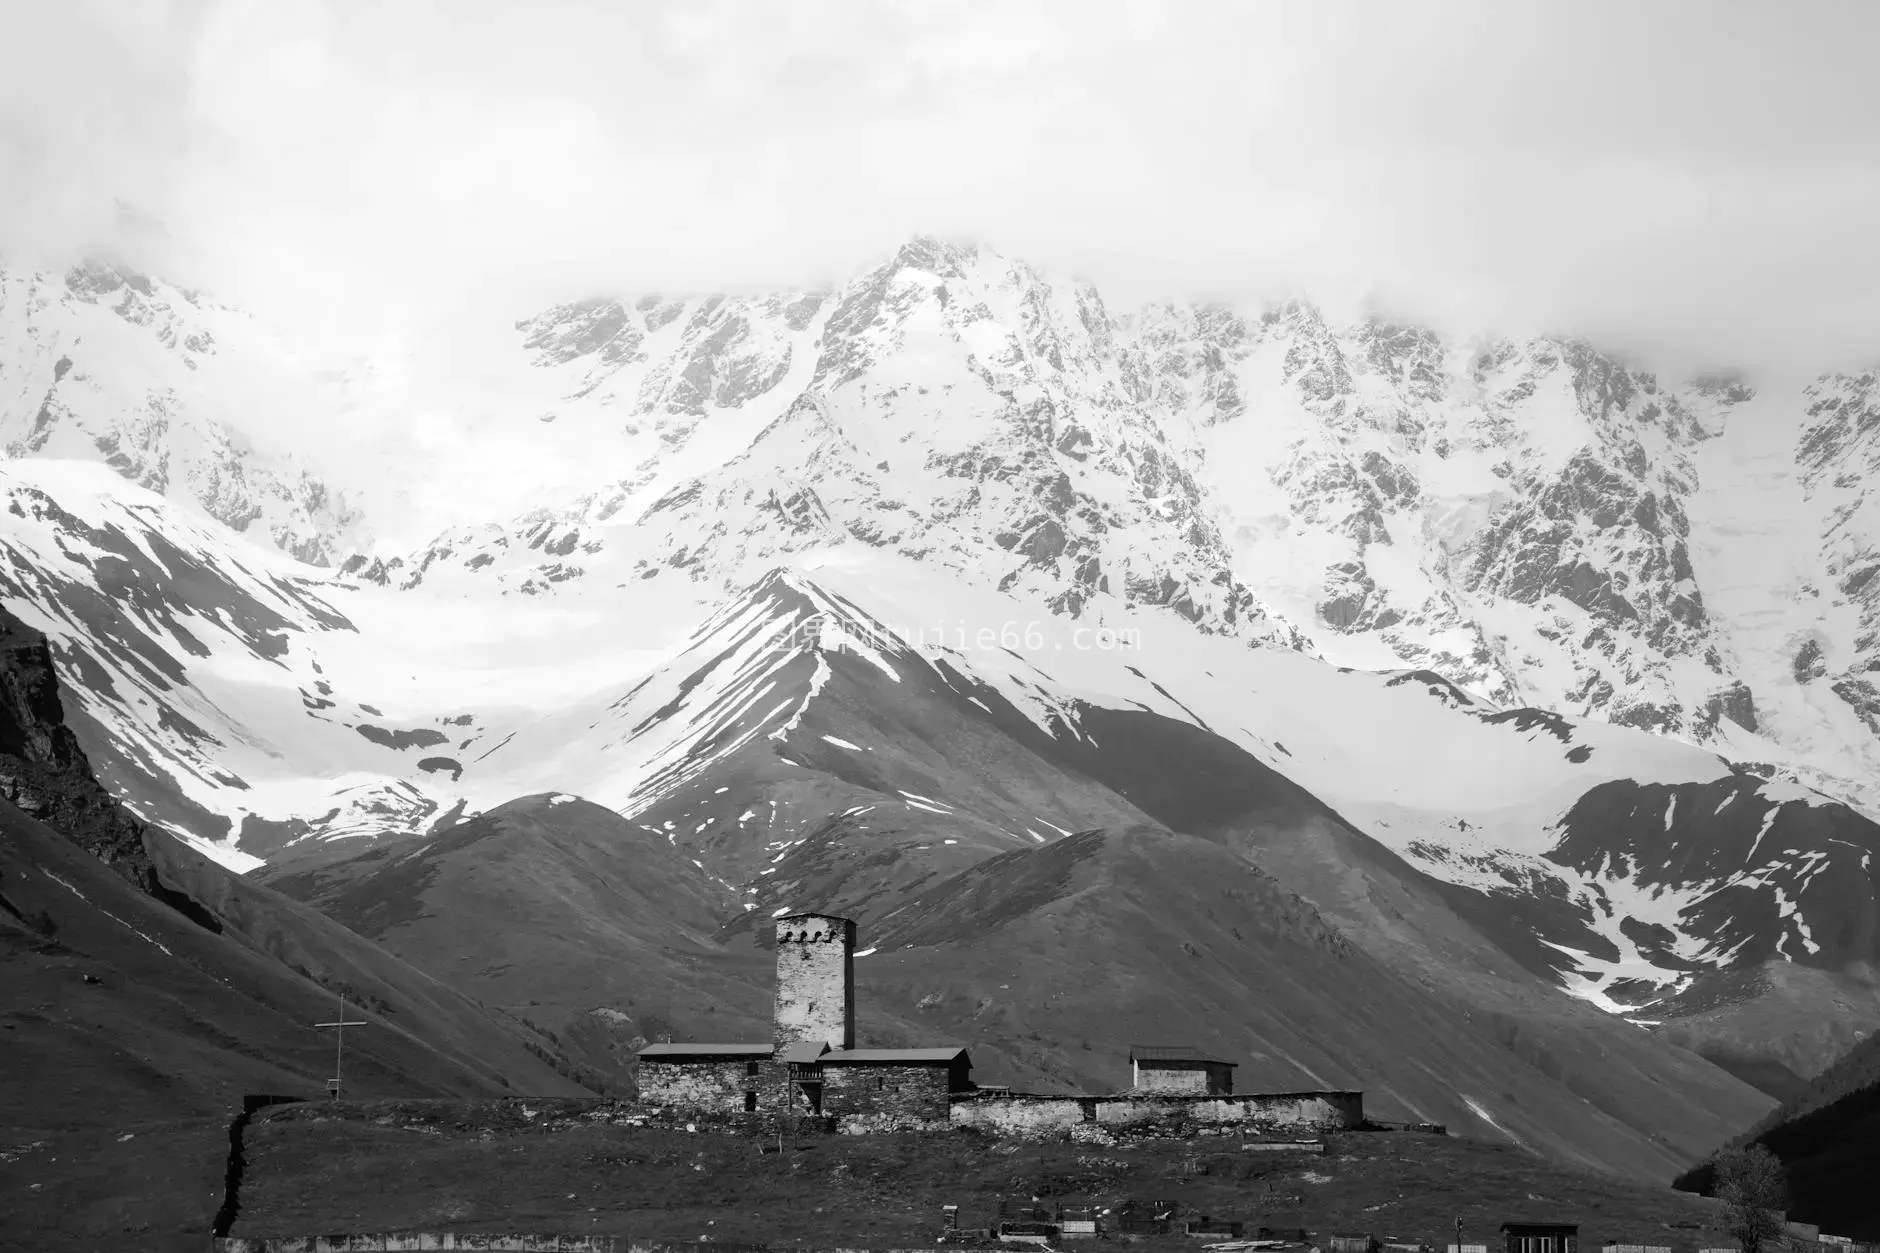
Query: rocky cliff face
42,768
1839,457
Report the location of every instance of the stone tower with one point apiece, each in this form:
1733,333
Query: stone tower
815,981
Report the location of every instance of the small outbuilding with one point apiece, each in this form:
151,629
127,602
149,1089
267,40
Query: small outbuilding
723,1077
1178,1068
1540,1238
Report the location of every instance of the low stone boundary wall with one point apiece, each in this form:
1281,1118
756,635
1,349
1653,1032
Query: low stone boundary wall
413,1242
513,1114
1016,1113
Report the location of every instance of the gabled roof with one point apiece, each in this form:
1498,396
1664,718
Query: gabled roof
1171,1053
904,1056
803,1052
707,1050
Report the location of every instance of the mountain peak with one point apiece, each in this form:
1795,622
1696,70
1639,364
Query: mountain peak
944,258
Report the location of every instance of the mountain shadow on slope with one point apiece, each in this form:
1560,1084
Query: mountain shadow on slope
1778,1025
1049,962
1659,1106
129,1034
591,928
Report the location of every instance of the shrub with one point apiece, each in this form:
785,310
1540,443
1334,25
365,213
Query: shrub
1751,1185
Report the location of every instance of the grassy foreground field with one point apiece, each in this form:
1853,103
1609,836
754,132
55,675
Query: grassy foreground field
407,1166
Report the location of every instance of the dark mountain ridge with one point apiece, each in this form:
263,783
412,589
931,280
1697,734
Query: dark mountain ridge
1828,1138
144,989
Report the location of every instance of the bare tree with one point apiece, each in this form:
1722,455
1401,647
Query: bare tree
1751,1185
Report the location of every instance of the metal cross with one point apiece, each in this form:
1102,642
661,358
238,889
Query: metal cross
339,1043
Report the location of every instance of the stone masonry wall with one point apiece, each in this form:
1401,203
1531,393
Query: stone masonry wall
815,981
1172,1078
413,1241
1019,1114
718,1086
909,1091
1314,1111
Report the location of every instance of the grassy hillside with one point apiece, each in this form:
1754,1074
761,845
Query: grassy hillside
596,913
129,1032
488,1167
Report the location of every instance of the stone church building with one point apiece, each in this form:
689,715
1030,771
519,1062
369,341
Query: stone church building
811,1064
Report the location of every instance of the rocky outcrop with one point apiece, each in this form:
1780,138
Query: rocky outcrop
1839,455
45,773
42,768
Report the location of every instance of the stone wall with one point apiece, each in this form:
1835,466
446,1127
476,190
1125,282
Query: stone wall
414,1240
1199,1078
815,981
882,1088
728,1086
1021,1114
1305,1111
718,1086
1171,1079
505,1115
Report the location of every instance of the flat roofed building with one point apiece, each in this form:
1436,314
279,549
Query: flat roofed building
706,1076
1179,1069
1540,1238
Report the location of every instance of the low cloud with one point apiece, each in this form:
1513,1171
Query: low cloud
1691,181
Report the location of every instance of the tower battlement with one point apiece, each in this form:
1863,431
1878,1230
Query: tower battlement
815,981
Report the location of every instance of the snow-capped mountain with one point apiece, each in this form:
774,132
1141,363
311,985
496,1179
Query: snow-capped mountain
1536,521
191,662
172,391
1477,603
1518,517
277,716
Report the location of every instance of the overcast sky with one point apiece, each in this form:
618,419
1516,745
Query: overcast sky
1700,179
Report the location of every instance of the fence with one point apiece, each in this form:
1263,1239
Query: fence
1077,1221
1346,1242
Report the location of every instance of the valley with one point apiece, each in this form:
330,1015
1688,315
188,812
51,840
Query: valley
1383,711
